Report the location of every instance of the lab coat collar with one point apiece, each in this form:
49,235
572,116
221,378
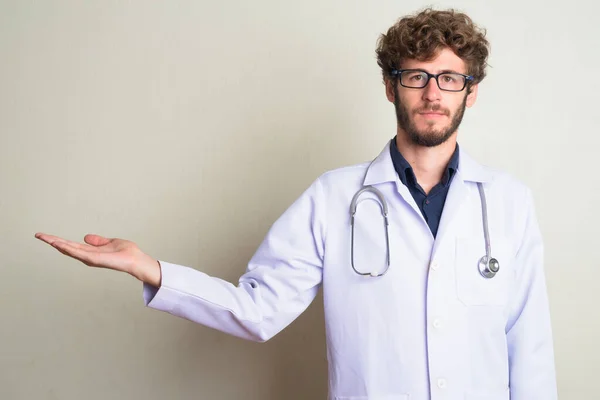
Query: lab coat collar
382,170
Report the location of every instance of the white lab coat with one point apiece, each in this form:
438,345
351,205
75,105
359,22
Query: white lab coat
432,328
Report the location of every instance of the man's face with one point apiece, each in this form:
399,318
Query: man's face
430,116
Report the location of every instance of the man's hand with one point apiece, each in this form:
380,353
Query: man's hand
118,254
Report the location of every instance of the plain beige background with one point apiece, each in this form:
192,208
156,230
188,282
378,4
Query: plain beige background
188,127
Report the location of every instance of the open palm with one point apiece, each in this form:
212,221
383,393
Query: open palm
98,251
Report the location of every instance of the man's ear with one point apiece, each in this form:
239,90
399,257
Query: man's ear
389,89
472,96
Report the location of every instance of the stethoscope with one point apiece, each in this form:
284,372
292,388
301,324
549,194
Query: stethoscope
488,265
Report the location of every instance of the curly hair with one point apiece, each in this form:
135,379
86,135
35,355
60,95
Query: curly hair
421,36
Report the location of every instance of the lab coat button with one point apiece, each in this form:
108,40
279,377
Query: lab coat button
441,383
435,265
437,324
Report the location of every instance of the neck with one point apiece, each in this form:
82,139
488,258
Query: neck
428,163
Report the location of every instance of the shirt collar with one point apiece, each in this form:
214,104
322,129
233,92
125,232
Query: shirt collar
405,170
381,169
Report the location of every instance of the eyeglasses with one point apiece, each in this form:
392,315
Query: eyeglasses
418,79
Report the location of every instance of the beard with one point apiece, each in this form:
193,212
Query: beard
429,137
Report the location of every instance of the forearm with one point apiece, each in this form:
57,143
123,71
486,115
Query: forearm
529,330
256,309
531,352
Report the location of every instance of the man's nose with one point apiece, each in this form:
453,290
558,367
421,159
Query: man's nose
432,92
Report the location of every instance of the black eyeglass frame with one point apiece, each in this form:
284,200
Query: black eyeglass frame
396,73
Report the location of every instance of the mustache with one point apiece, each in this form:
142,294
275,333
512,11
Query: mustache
432,108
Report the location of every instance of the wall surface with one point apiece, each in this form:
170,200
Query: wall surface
189,127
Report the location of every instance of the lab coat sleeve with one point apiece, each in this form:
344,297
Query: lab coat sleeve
280,281
529,332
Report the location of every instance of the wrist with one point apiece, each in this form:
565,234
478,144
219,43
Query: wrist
149,272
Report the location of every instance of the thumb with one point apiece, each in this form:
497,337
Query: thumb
96,240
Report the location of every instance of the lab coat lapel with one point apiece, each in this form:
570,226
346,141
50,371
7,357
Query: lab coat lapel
469,171
458,195
382,170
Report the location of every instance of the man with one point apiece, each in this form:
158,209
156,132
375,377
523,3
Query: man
419,303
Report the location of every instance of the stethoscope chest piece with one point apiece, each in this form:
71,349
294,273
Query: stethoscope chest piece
488,267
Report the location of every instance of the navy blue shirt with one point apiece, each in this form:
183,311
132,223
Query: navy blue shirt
431,205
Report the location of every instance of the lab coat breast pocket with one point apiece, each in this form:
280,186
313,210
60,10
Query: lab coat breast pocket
472,289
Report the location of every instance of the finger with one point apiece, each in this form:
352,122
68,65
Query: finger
50,239
96,240
61,249
47,238
86,257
